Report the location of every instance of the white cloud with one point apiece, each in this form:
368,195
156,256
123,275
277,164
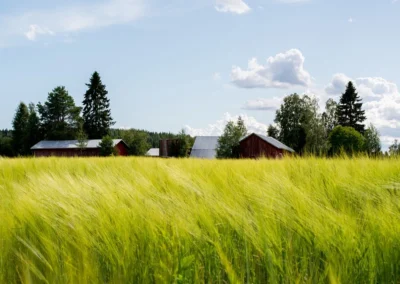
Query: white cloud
351,20
217,76
338,84
283,70
232,6
370,88
35,30
263,104
74,18
217,128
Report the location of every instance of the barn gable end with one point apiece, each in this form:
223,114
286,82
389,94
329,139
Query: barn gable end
258,146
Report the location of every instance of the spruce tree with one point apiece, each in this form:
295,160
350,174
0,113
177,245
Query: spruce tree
33,128
20,124
97,118
349,109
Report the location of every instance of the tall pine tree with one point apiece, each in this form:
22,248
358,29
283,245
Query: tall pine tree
97,118
20,125
349,109
33,128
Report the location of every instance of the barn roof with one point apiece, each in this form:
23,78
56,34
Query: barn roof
154,152
70,144
205,147
272,141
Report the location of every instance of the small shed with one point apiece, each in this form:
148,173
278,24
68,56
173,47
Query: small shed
70,148
153,152
205,147
260,146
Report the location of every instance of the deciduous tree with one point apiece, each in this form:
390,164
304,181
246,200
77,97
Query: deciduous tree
300,124
59,116
394,149
6,146
137,141
229,142
329,117
107,146
372,141
82,138
273,131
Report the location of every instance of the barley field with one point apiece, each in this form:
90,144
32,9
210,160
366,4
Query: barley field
138,220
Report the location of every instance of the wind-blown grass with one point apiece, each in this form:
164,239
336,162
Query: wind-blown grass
136,220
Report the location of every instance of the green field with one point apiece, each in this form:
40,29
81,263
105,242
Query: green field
136,220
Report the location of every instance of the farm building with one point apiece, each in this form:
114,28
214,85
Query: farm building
70,148
169,147
205,147
258,146
153,152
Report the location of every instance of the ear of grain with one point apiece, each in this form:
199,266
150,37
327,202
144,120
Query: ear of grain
137,220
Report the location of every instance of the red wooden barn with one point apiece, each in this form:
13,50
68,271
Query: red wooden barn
70,148
260,146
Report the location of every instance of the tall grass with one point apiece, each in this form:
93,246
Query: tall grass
130,220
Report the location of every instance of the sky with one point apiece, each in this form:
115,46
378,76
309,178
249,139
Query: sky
195,64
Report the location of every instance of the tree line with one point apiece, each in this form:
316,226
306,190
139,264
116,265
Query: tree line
340,128
300,125
59,118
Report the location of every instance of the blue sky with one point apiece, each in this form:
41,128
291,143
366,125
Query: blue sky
198,63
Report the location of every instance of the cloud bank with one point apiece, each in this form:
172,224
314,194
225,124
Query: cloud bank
283,70
232,6
74,18
217,128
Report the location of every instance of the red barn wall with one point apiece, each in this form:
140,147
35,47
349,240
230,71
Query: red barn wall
121,149
66,152
255,147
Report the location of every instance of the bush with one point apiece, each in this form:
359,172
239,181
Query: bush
346,139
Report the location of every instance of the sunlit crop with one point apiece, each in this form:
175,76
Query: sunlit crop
137,220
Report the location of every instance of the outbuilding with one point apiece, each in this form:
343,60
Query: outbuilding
71,148
260,146
205,147
153,152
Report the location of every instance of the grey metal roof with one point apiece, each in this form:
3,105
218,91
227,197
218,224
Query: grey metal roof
271,141
154,152
70,144
205,147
